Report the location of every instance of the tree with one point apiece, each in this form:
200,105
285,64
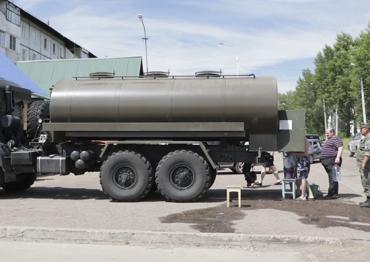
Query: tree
335,81
361,65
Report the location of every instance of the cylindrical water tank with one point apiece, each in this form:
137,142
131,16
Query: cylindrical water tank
250,100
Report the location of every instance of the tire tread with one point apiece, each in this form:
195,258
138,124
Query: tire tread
147,163
169,155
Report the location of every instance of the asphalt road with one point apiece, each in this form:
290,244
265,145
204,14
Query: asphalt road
45,252
76,203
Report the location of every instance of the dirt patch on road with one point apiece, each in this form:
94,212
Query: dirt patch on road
322,213
216,219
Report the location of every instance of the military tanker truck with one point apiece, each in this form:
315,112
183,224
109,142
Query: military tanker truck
146,134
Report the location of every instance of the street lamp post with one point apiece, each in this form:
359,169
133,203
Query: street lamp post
145,38
363,102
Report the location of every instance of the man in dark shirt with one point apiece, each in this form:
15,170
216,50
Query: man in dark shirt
331,155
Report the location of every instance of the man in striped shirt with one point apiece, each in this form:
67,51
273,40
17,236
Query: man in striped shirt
331,155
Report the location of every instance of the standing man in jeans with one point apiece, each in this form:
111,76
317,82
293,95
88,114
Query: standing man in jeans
331,155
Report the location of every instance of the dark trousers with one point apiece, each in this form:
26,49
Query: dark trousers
328,164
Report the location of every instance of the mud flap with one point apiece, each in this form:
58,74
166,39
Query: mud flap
292,131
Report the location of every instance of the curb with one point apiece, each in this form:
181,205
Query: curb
152,238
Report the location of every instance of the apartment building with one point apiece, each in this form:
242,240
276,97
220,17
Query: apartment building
23,37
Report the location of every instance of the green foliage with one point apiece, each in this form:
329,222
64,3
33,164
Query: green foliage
335,82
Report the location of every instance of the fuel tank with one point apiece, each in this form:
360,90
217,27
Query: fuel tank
253,101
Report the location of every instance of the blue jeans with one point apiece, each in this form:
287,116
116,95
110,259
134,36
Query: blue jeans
328,164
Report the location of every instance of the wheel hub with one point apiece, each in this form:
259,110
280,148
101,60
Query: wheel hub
182,177
125,177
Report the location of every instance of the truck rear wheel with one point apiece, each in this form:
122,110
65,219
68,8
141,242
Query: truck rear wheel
126,176
183,176
213,173
23,182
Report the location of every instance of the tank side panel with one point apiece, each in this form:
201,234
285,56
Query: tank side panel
60,101
255,102
101,104
149,102
198,100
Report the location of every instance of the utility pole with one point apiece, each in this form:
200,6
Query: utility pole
325,119
363,102
336,119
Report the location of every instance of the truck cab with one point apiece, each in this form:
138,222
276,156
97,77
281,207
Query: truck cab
16,173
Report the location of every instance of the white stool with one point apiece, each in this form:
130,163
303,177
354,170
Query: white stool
236,189
292,184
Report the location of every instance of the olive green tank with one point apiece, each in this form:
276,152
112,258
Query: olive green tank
253,101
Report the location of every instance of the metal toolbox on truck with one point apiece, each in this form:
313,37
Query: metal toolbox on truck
51,165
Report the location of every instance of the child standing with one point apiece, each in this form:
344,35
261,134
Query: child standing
303,169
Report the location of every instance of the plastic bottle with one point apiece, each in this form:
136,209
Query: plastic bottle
337,173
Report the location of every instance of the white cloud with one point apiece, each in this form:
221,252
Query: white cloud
285,86
185,47
28,4
259,33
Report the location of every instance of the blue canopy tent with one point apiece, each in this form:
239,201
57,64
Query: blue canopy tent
10,72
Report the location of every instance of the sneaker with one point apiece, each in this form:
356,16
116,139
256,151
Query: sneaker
365,204
301,198
256,184
277,183
335,196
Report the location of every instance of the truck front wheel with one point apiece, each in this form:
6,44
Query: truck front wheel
22,183
126,176
183,176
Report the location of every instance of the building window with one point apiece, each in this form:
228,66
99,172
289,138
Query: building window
24,31
12,42
45,43
24,54
34,35
2,39
53,48
13,14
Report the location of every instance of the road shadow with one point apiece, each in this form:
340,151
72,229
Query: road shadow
212,196
55,193
341,196
219,195
64,193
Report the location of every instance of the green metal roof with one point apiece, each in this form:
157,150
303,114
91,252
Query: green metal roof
46,73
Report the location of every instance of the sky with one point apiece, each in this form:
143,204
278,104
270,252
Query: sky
277,38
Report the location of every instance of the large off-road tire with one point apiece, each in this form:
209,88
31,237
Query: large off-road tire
183,176
23,182
38,110
126,176
213,173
